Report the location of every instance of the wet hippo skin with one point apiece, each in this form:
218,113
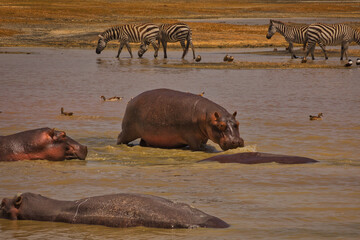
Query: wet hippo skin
115,210
258,157
171,119
42,143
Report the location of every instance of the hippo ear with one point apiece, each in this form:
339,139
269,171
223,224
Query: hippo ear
59,135
51,132
18,201
234,114
214,119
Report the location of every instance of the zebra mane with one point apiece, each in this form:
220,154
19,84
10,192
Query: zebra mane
109,30
277,21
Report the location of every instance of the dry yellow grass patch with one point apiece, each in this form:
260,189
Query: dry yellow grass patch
8,32
41,19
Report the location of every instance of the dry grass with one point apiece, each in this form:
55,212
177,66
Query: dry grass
69,23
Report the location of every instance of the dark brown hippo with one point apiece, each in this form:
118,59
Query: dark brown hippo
115,210
170,119
258,157
42,143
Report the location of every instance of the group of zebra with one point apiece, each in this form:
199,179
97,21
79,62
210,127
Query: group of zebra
322,34
146,34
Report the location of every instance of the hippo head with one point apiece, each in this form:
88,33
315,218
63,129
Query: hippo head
101,44
53,145
9,208
225,131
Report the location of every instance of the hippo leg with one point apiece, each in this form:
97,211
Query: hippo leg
125,137
196,144
143,143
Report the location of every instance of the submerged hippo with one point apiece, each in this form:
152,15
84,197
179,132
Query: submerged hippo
258,157
42,143
115,210
170,119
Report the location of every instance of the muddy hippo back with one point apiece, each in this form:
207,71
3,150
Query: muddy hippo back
258,157
170,119
115,210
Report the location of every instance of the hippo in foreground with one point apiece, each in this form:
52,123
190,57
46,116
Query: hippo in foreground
42,143
115,210
258,157
166,118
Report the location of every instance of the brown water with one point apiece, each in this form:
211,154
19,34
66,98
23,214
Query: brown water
266,201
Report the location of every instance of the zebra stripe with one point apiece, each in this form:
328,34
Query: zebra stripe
293,33
331,34
177,32
146,34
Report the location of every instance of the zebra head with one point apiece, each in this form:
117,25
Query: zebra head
271,30
101,44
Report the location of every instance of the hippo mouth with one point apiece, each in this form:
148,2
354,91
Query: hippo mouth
79,152
226,145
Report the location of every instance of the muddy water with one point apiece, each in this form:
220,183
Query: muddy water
267,201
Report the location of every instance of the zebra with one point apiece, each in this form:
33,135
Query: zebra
293,33
146,33
330,34
176,32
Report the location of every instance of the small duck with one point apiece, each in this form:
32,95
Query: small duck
348,64
201,94
358,61
275,49
66,113
318,117
226,58
198,58
111,99
230,59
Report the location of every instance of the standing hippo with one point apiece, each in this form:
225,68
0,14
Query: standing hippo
170,119
115,210
42,143
258,157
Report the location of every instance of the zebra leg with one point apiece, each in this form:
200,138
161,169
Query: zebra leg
156,48
323,49
192,48
291,51
164,43
129,49
310,48
182,43
344,48
120,48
